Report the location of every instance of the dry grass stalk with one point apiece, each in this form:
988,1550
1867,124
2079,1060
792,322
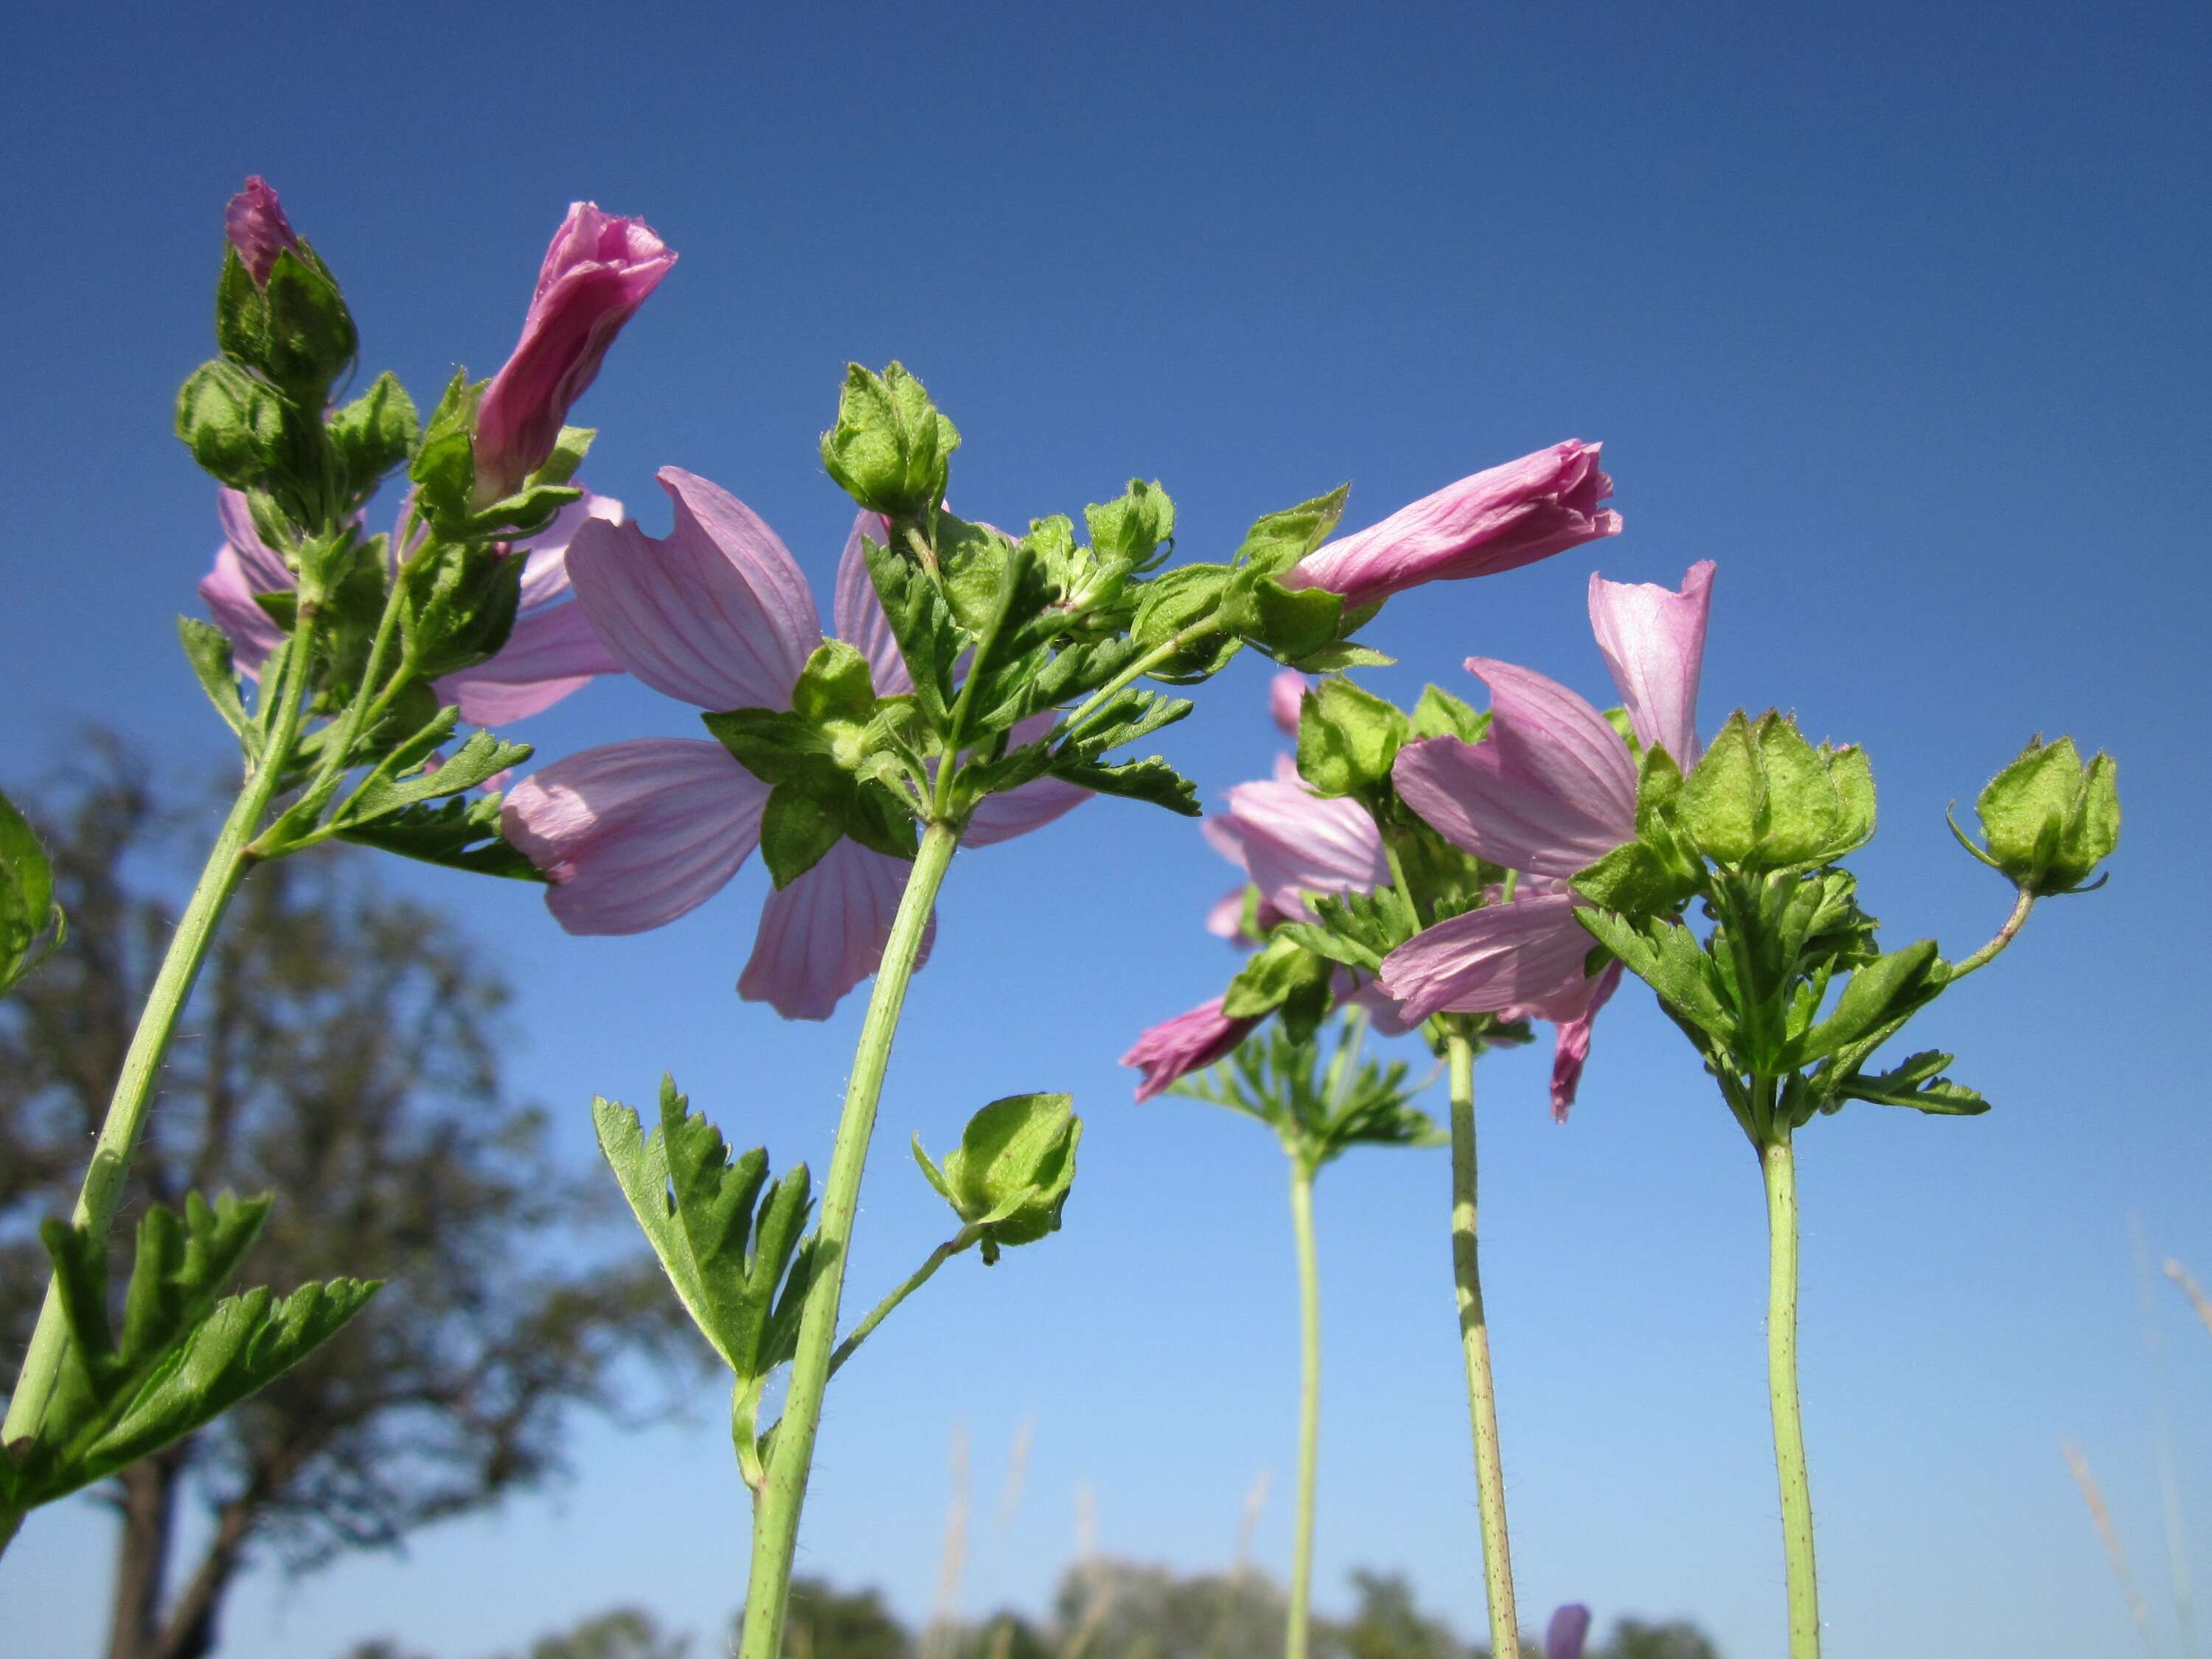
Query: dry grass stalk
2101,1518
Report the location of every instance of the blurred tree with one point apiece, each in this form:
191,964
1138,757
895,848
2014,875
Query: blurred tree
623,1634
1386,1624
828,1623
1674,1640
339,1053
1108,1609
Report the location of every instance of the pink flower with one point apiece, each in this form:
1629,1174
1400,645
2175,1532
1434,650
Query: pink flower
1549,792
634,834
258,229
1287,700
552,652
1569,1629
1188,1042
598,271
1496,520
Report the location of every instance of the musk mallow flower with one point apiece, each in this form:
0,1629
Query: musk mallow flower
599,268
1189,1042
631,836
1548,792
1499,519
255,223
550,652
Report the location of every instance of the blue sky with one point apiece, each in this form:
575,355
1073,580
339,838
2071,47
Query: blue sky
1895,312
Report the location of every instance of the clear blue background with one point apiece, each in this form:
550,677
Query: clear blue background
1896,311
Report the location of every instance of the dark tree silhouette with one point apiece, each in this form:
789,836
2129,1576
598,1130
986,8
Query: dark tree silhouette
341,1053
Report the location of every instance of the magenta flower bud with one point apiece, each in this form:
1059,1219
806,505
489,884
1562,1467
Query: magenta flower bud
597,273
1507,517
1189,1042
258,229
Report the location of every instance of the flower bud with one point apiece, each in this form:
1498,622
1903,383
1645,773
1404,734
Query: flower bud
1012,1170
890,451
257,226
1348,739
233,423
599,268
278,310
2048,819
1764,799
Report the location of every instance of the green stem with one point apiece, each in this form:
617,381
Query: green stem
1780,1171
906,1287
1302,1224
1474,1336
775,1526
1153,659
2005,936
226,863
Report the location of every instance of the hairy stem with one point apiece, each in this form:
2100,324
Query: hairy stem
1302,1224
1474,1336
226,864
2005,936
905,1288
1776,1164
783,1493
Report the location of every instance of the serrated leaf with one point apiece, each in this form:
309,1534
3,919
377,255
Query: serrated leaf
31,924
462,833
1150,779
1667,957
1879,994
1917,1083
1348,739
207,648
483,756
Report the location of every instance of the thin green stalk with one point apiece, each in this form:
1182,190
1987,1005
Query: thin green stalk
1775,1162
1302,1224
1160,654
906,1287
2005,935
775,1525
1474,1337
226,863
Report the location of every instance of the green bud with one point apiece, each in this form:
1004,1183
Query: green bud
891,450
1125,534
2048,819
374,433
1348,739
311,340
1010,1175
1764,799
233,423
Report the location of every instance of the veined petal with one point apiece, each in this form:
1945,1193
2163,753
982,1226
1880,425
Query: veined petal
262,565
1505,957
1575,1015
1653,641
634,834
1176,1048
1550,791
227,592
1295,843
858,614
545,573
825,933
717,614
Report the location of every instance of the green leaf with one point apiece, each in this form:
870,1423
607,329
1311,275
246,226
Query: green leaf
1880,993
1348,739
1635,881
799,826
891,450
1918,1083
375,433
1280,970
1150,779
206,647
1339,654
1125,534
1440,714
1177,600
725,1248
462,833
483,756
458,604
31,925
1280,540
1666,957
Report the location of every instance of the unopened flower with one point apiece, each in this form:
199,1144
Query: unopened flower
550,652
1507,517
1550,791
598,271
633,834
1189,1042
1569,1630
257,226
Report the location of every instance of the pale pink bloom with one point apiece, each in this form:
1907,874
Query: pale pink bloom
599,268
1286,697
258,229
550,652
1500,520
1188,1042
1549,792
1569,1630
633,834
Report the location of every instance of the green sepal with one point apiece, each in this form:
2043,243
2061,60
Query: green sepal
977,562
444,469
1440,714
1765,799
1294,625
798,828
920,621
458,604
31,925
2048,820
241,315
1126,534
1012,1171
1175,601
374,433
1804,815
1348,739
462,833
733,1255
890,449
1279,540
1284,977
835,684
1634,880
310,340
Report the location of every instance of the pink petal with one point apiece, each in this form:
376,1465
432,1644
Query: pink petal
825,933
858,614
549,654
258,229
1565,1636
1505,957
229,595
1506,517
1550,790
1286,699
1224,917
1571,1043
717,614
545,576
1188,1042
1295,843
1653,641
263,565
634,834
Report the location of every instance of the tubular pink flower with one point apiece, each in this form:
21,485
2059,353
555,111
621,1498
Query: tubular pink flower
550,652
718,614
1653,641
1568,1631
258,229
1188,1042
1507,517
599,268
